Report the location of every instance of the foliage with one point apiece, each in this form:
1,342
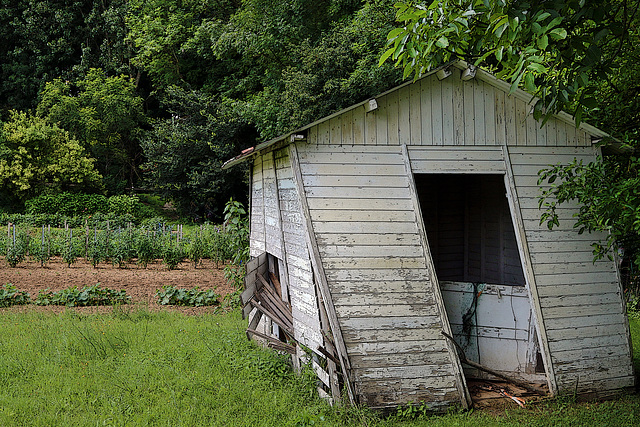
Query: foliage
17,247
87,296
147,248
70,251
173,256
170,295
105,114
36,156
185,154
555,50
47,39
237,225
10,295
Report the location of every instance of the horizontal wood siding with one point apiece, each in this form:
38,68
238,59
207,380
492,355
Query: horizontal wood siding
581,305
368,239
304,303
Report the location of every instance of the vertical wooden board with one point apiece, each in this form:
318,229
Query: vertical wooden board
469,113
572,139
501,129
425,106
521,121
447,108
415,113
370,130
551,132
479,113
382,122
532,126
490,114
335,136
436,110
404,111
510,119
393,118
312,135
561,134
324,133
458,113
347,127
358,126
541,134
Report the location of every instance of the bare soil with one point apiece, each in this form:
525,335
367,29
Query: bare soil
140,283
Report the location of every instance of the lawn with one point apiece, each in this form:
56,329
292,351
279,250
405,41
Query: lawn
149,369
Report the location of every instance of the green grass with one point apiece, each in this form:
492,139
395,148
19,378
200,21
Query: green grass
154,369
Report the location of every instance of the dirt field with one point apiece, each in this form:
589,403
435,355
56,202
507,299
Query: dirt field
140,283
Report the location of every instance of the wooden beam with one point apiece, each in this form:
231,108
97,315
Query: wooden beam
525,257
321,278
273,342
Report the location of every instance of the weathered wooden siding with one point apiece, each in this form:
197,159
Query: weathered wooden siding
447,112
304,303
365,226
581,302
276,228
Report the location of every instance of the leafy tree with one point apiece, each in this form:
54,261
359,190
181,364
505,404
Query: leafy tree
106,115
554,49
185,154
47,39
37,157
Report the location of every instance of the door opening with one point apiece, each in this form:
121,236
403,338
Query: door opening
477,262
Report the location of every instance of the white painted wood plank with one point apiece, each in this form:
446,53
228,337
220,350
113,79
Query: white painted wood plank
404,122
343,168
356,180
382,121
521,122
479,113
347,204
415,113
357,192
458,113
510,121
365,228
501,129
448,127
456,153
426,345
392,118
426,112
386,284
575,267
370,130
386,299
436,111
373,274
400,359
370,251
490,115
335,135
584,321
387,263
351,158
439,166
358,126
469,113
362,215
581,300
347,128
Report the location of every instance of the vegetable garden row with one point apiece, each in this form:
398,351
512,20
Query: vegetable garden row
120,245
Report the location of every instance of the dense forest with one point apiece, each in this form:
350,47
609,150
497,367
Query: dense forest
115,96
112,96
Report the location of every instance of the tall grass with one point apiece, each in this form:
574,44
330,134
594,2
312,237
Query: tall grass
140,368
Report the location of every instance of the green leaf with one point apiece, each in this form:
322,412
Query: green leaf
558,34
442,42
543,42
529,83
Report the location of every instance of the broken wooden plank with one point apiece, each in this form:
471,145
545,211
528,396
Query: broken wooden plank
273,342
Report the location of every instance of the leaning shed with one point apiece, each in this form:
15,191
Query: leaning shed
380,230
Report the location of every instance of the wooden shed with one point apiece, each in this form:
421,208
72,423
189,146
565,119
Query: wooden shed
379,229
